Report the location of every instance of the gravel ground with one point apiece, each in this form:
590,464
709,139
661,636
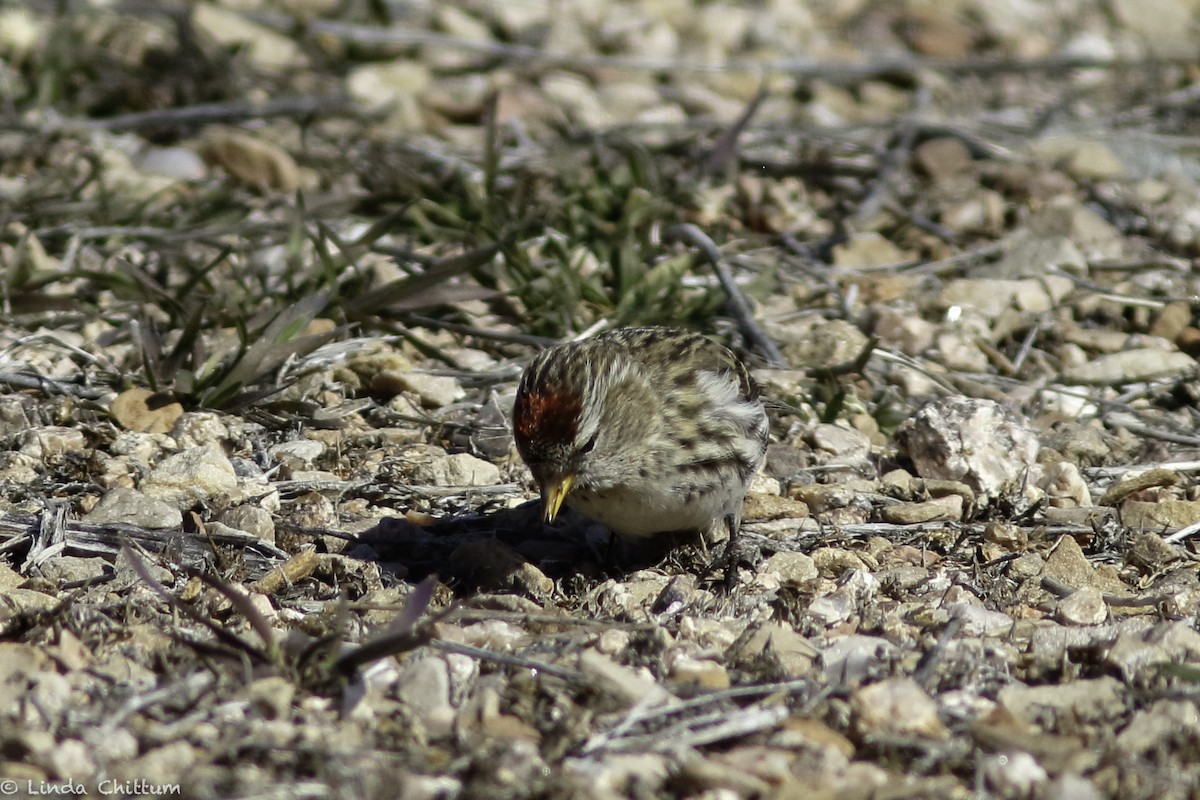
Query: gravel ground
271,271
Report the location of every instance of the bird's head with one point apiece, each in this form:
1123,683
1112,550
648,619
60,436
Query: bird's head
556,425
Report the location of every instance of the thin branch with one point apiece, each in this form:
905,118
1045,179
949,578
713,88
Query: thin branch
738,307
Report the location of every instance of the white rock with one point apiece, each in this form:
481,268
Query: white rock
266,48
1065,486
1084,606
851,658
424,686
434,391
172,162
200,428
625,683
297,454
1013,774
791,568
897,706
51,441
72,760
131,507
979,442
460,469
1131,366
192,476
250,519
1071,786
978,621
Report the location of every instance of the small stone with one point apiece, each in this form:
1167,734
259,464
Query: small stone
1159,515
1157,726
833,562
977,621
1014,773
1025,566
1095,701
701,673
958,346
896,706
200,428
251,519
1171,321
942,157
1085,159
1071,786
851,659
1006,535
575,95
1067,564
824,343
628,685
979,442
492,565
392,83
1131,366
178,163
1064,215
949,508
296,455
1163,26
71,759
1150,552
19,664
141,410
258,163
460,469
791,568
834,608
905,331
111,744
868,249
124,506
51,442
312,510
763,507
1084,606
172,761
272,696
848,447
1137,649
424,686
70,569
142,448
192,476
610,777
266,48
21,31
1065,486
989,298
794,652
434,391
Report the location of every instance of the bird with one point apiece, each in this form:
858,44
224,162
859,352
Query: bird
646,430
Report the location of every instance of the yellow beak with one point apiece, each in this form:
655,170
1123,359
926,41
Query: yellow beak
553,494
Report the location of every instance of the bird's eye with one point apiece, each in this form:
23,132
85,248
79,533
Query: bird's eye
590,444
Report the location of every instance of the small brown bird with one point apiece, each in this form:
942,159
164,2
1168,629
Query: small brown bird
646,430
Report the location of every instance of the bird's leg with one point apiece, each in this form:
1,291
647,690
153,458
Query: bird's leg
610,551
730,556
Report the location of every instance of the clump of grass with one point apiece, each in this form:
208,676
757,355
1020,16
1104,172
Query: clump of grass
576,242
234,371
